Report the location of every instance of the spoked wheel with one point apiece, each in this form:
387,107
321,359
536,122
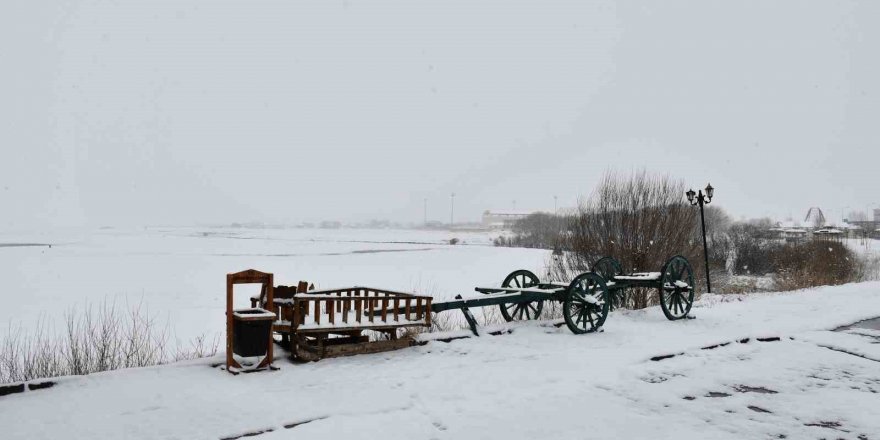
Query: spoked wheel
608,268
677,288
586,303
521,311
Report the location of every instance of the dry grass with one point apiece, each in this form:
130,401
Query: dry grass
96,338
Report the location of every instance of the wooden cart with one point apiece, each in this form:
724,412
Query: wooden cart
521,297
674,283
328,323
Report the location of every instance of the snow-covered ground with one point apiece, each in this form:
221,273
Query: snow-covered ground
538,381
179,274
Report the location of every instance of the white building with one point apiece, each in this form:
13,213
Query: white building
503,219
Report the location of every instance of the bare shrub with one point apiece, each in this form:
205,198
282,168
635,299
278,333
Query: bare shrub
815,263
538,230
640,219
746,246
93,339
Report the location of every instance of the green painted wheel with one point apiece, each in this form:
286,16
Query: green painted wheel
521,311
677,288
608,268
586,303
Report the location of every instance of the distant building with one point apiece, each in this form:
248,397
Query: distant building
503,219
833,234
865,228
327,224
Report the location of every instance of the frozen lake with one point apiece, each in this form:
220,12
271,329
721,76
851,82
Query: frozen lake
179,273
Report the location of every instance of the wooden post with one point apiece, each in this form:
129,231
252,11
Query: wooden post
428,313
270,299
230,362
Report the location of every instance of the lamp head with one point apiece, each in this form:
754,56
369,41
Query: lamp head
690,195
709,191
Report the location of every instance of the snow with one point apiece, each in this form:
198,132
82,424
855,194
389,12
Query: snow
537,381
640,276
179,274
252,313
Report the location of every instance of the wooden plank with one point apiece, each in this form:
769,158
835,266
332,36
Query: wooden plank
396,309
317,312
407,308
370,305
384,309
270,298
377,326
331,311
358,305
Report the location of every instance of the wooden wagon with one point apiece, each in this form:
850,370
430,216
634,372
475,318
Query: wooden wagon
315,324
586,300
674,284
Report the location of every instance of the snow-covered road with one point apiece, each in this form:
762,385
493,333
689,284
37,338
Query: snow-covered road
536,382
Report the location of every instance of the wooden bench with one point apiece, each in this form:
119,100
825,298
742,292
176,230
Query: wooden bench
328,323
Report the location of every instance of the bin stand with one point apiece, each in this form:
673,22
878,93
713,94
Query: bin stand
249,276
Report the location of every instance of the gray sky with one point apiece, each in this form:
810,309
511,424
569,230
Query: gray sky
183,111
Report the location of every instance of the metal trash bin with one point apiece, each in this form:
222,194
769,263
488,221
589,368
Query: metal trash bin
251,329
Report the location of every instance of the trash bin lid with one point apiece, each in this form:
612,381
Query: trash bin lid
256,314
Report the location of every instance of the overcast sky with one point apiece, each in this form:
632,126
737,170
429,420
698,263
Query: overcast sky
186,111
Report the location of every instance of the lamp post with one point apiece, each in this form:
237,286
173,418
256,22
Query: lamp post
701,199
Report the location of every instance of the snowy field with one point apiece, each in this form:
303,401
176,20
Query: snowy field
760,367
179,274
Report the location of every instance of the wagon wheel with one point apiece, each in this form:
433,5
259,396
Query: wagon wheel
521,311
608,268
677,288
586,303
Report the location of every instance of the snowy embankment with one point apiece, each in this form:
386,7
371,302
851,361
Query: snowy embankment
179,274
765,366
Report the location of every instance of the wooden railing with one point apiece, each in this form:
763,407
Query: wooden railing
359,308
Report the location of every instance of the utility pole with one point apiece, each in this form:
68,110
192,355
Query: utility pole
452,211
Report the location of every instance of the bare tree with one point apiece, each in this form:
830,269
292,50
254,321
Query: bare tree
641,219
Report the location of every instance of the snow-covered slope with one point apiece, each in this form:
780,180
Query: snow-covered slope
536,382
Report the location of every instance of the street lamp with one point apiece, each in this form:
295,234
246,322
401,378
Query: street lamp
700,199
